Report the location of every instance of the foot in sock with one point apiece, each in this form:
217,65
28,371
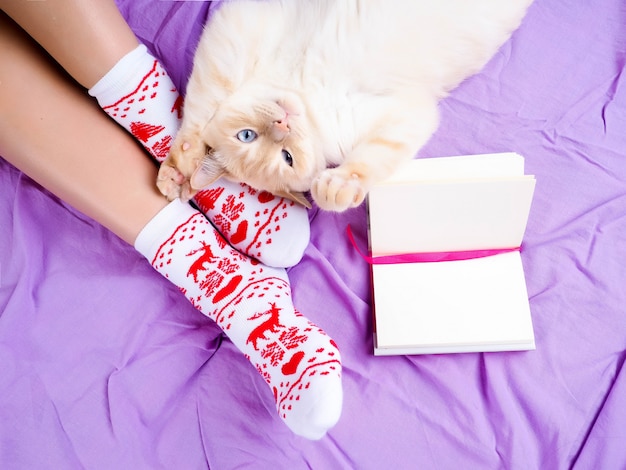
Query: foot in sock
266,227
252,304
138,93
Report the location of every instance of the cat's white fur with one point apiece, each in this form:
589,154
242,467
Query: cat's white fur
348,87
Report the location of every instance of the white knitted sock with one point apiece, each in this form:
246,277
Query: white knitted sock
252,304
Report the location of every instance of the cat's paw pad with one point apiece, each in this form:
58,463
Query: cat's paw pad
170,182
175,171
336,190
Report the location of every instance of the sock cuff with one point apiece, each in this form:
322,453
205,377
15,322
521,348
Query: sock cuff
120,80
161,226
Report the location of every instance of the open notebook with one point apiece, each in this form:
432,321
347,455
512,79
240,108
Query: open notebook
473,210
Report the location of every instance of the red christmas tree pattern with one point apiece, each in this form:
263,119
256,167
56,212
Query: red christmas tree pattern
144,132
162,148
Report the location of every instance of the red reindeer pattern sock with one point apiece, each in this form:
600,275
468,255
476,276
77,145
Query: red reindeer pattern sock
252,304
140,96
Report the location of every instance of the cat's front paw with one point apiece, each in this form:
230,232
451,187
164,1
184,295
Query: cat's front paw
170,182
173,179
336,189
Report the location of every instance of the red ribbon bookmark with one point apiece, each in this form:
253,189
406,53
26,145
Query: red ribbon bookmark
429,257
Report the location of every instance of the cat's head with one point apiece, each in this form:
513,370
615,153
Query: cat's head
263,139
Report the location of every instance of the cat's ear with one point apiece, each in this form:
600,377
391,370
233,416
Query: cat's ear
295,196
207,172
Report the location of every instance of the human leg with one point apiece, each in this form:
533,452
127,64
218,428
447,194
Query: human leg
56,135
87,37
46,120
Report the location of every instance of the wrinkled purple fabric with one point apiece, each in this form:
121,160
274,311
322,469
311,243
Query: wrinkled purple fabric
104,364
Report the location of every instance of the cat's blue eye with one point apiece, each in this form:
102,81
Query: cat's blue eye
246,136
287,157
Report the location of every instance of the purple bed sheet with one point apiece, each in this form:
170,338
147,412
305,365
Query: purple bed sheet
104,364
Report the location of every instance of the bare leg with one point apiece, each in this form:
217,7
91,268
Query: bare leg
47,123
87,37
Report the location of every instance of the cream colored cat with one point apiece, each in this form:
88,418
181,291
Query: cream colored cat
325,95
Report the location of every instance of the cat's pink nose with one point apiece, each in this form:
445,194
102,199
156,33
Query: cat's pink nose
280,129
282,125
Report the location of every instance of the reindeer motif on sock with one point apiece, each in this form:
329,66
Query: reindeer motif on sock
206,256
271,325
216,274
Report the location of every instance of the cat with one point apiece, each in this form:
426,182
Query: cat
326,96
